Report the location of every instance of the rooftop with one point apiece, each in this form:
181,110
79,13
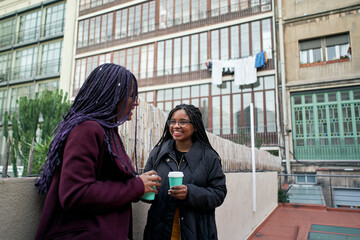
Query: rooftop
309,221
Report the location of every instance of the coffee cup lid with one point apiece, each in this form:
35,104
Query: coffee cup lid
176,174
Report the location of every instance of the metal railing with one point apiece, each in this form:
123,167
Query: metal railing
341,191
264,136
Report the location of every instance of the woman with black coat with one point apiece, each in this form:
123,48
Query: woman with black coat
186,211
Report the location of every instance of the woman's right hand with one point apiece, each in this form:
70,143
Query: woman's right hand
150,180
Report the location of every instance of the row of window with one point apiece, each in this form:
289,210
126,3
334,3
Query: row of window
134,20
87,4
127,21
38,60
185,54
325,49
225,108
33,25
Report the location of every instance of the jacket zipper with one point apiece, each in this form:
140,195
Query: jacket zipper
178,164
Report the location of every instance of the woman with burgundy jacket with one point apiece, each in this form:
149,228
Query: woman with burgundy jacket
88,177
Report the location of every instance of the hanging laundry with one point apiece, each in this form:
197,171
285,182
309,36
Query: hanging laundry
216,74
245,71
260,60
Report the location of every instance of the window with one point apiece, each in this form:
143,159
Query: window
54,22
3,103
225,118
5,61
310,51
333,232
16,93
325,49
6,33
51,58
309,178
25,63
337,47
29,28
51,86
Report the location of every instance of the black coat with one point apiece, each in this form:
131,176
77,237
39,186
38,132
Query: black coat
205,181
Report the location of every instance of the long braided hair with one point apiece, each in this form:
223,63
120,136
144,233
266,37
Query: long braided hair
107,86
196,120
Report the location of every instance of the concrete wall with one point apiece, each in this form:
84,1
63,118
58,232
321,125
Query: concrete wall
20,207
300,8
320,26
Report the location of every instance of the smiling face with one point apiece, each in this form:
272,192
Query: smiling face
179,133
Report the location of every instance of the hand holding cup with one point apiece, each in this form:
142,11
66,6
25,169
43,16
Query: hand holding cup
151,183
177,189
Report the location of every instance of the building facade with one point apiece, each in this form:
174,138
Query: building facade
322,99
168,45
32,55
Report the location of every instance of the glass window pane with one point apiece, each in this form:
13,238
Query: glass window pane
226,127
195,91
216,115
259,112
236,113
215,44
160,95
204,111
185,54
255,35
270,111
194,52
185,92
234,31
177,55
269,82
204,90
177,93
160,59
245,47
168,57
246,109
266,38
203,50
224,43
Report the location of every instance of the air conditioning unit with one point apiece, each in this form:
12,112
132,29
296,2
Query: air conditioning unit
266,7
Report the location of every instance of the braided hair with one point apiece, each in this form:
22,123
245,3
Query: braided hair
196,120
105,89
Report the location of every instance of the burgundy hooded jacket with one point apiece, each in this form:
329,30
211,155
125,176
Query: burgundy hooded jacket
90,195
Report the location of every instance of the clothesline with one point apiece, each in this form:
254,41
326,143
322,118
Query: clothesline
244,69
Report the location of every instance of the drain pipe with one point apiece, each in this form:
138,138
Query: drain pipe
283,88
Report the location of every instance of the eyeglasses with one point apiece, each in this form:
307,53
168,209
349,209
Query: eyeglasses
182,122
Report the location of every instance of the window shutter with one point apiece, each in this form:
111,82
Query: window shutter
311,44
337,40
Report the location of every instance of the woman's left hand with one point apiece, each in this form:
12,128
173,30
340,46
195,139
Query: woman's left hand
179,192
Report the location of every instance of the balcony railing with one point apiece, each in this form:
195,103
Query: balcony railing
341,191
264,136
213,16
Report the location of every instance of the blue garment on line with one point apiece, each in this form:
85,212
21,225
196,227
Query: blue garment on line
260,60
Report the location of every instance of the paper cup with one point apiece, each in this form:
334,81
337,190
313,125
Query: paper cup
175,178
149,195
